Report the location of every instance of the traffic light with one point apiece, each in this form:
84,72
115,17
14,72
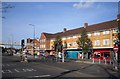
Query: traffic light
22,43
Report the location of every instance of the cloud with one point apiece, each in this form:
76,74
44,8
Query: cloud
83,4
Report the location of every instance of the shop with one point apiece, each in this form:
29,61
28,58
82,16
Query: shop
77,54
102,54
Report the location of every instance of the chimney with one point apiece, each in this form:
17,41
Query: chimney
28,40
85,25
65,29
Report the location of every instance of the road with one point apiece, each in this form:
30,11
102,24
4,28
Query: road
13,68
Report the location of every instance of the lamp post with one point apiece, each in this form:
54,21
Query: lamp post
33,37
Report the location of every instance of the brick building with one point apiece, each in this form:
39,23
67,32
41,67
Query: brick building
102,36
32,45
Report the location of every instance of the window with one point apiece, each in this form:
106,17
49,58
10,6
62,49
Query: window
63,38
69,44
97,54
106,32
115,30
74,43
74,36
43,40
106,54
51,40
43,46
68,37
97,42
106,42
89,34
96,33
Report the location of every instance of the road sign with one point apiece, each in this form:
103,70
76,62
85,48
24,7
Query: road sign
115,48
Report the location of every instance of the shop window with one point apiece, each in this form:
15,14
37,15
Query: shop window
97,54
106,54
115,30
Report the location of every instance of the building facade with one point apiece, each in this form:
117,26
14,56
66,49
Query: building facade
32,46
103,36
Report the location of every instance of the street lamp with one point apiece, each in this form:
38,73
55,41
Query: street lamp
33,36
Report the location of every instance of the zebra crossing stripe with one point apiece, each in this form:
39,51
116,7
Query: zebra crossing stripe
16,70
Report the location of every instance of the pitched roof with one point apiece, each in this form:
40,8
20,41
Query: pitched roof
90,28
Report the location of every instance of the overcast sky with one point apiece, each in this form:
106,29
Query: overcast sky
52,17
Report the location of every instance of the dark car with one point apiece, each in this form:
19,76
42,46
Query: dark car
50,58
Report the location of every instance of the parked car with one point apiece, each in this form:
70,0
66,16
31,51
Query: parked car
50,58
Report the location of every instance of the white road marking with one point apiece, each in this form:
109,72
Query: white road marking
3,71
16,70
25,70
7,71
41,76
8,64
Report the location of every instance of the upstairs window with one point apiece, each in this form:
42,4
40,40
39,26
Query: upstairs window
106,42
97,43
89,34
74,36
106,32
63,38
74,43
115,30
69,44
96,33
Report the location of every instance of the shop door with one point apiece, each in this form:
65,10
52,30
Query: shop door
102,56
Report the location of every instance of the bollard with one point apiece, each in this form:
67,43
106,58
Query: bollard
93,60
99,61
105,61
110,62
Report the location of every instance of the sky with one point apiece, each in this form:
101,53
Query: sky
52,17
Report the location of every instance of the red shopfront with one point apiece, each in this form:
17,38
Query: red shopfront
102,54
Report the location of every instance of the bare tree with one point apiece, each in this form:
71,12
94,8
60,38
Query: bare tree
4,7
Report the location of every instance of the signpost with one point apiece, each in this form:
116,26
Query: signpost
115,48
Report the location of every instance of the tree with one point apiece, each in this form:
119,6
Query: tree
84,42
58,44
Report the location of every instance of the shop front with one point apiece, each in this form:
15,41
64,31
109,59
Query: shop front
102,54
74,53
77,54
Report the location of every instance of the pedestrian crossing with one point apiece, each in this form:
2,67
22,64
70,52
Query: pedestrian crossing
18,70
13,68
5,65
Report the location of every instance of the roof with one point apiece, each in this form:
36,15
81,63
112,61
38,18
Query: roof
90,28
31,40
